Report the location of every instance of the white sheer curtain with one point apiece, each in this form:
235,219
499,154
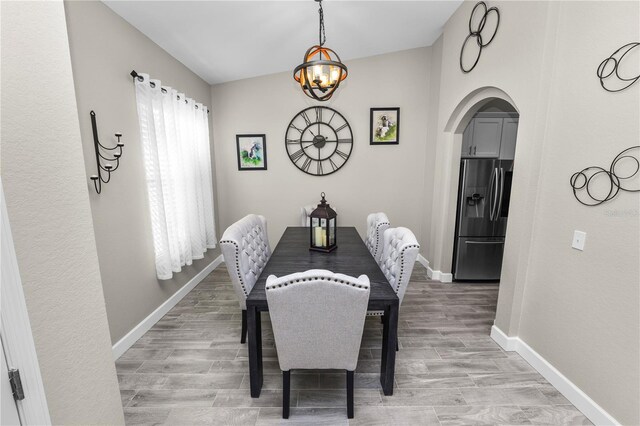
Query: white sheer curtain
174,131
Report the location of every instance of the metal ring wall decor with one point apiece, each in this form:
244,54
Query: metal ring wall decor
610,67
581,181
477,33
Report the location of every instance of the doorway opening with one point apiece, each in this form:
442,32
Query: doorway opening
487,157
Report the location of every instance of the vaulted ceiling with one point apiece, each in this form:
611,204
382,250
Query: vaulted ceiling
230,40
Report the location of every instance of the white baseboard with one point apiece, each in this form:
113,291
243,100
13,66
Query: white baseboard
145,325
423,261
444,277
507,343
573,393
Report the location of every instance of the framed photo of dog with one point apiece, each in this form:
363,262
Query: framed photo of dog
385,126
252,152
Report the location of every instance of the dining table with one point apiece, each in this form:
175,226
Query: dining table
351,257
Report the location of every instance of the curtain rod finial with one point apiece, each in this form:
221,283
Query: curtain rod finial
135,75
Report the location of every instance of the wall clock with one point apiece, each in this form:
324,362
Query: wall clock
319,140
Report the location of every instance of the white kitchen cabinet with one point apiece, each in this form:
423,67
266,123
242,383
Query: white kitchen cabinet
490,135
486,137
508,140
467,141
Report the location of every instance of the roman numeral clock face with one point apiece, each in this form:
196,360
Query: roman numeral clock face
319,140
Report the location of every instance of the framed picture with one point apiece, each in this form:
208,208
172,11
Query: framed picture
385,126
252,152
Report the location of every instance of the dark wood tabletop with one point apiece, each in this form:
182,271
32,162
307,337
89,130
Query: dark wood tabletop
352,258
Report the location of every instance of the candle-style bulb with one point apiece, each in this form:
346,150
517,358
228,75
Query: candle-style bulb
335,74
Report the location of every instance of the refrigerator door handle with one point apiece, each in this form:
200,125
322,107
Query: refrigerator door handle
495,198
501,193
463,180
492,192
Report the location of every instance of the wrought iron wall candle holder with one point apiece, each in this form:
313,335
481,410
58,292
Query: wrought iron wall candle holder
105,164
610,78
581,181
477,33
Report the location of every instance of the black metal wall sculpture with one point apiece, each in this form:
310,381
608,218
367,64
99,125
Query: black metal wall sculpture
581,181
608,70
108,166
477,33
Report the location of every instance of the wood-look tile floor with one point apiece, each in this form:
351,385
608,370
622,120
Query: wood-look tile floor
190,368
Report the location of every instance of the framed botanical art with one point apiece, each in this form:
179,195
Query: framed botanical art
385,126
252,152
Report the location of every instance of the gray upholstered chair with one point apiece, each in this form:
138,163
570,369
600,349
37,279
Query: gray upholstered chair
318,319
304,215
377,223
245,248
399,254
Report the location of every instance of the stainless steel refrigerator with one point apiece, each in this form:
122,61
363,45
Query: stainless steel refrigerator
481,222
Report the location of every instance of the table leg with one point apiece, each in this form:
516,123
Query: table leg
255,350
389,341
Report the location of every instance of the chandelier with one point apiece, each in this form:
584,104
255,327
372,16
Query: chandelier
321,72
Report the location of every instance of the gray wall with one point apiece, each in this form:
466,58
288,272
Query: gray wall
104,50
375,178
579,310
48,203
433,104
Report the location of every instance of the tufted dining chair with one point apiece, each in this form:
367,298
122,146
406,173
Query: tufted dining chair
399,254
304,215
317,318
377,223
245,248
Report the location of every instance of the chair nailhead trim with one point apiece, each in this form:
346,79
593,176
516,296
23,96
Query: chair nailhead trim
237,250
328,278
255,231
399,281
375,252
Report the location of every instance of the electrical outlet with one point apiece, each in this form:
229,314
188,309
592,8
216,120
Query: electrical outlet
579,238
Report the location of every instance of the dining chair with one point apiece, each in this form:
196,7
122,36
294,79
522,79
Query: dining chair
377,223
246,251
399,253
304,215
317,318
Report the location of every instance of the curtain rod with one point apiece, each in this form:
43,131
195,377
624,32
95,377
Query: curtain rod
135,75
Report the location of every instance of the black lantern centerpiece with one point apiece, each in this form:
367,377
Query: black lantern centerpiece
323,227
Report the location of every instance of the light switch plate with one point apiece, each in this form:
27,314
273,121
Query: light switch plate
579,238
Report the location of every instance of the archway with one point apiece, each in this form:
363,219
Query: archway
450,142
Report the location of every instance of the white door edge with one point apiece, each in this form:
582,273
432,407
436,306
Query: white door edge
15,329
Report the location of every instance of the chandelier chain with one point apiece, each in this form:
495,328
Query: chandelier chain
321,34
